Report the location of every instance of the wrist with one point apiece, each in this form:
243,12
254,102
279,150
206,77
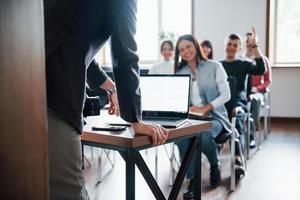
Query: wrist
254,46
135,125
112,90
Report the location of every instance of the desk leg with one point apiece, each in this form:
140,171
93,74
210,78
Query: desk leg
197,172
183,168
148,177
128,156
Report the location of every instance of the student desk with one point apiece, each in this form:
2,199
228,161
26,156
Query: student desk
129,146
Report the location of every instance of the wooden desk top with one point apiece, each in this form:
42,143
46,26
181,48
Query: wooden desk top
127,139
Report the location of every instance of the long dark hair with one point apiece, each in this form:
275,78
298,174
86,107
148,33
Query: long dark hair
169,42
181,63
208,44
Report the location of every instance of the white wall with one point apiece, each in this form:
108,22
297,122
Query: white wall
215,19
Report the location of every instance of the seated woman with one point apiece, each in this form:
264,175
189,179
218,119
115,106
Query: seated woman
166,66
209,92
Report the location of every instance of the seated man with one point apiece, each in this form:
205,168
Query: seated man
241,69
259,83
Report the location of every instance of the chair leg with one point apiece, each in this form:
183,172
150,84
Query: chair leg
247,137
156,163
232,158
256,134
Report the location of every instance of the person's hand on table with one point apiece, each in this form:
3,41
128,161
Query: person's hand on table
201,109
158,133
113,104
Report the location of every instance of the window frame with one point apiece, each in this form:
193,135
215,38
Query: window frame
106,63
272,35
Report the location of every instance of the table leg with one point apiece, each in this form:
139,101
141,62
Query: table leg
197,172
148,177
183,168
128,156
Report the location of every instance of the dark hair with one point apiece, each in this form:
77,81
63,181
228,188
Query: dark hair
169,42
233,36
199,53
208,44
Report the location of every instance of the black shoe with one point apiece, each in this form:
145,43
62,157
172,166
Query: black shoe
239,167
239,171
189,193
215,177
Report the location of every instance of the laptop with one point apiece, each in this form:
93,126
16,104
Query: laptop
165,99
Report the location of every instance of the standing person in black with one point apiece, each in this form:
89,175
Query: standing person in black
241,69
75,31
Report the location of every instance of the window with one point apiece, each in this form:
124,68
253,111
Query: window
287,32
153,18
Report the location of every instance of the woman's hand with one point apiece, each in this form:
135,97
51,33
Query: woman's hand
202,109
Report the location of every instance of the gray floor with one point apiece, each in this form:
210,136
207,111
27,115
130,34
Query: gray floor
272,173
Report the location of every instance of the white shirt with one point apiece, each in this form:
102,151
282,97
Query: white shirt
195,96
163,67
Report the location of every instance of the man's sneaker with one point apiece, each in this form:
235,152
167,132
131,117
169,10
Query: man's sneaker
252,144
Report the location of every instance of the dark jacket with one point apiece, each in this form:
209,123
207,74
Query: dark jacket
75,30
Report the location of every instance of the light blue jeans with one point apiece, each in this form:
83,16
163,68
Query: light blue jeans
209,147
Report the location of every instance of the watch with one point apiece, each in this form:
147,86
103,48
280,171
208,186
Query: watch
112,90
254,46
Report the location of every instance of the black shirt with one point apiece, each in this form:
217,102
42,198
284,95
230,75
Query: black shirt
240,69
75,30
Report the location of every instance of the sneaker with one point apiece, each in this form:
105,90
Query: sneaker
252,144
189,193
215,176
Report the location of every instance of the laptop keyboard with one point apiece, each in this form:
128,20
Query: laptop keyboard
166,122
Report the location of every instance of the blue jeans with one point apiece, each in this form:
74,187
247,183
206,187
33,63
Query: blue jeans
209,147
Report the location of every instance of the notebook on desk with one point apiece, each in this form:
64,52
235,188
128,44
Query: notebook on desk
165,99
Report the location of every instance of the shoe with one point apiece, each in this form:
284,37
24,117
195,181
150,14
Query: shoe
189,193
252,144
222,138
215,177
239,171
239,167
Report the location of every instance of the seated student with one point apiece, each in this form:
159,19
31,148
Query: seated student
209,92
207,49
166,66
240,69
259,83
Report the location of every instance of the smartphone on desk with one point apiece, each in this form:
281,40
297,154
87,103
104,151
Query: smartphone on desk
108,128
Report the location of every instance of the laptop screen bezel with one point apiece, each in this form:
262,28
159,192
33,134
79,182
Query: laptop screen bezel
167,114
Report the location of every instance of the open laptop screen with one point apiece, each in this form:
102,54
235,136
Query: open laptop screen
165,95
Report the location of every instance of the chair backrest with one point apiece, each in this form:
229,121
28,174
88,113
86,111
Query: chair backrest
231,104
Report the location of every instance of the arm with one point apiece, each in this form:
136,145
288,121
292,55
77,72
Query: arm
267,78
258,68
122,19
224,92
96,76
122,16
223,87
